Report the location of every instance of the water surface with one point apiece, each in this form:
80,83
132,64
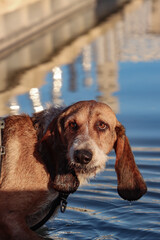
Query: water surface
118,63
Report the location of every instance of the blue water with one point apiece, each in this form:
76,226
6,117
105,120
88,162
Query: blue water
123,70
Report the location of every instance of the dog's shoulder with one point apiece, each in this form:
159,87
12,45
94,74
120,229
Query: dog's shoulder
20,141
16,121
18,126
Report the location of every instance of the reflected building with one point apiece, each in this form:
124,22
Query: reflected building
140,44
107,68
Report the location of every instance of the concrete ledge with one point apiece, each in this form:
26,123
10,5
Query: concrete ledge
22,23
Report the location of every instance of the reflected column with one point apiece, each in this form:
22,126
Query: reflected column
57,86
14,106
107,68
87,64
35,98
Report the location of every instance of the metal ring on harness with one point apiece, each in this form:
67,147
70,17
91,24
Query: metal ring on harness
63,205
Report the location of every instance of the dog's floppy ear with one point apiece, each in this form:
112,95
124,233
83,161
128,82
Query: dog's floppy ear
131,185
53,152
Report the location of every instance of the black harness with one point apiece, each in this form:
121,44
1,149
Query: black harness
61,200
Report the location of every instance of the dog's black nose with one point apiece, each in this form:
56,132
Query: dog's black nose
83,156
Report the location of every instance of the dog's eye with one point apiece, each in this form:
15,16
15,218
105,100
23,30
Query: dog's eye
73,125
102,126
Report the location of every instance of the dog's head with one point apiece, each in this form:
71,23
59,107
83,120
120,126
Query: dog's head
79,140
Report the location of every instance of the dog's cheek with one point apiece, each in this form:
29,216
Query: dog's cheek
108,142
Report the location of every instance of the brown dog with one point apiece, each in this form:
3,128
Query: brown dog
50,154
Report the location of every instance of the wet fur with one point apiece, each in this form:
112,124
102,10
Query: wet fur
39,162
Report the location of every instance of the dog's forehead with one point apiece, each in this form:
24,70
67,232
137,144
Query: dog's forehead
80,113
103,112
91,110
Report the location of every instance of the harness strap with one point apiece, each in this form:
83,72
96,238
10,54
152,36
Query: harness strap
60,200
2,148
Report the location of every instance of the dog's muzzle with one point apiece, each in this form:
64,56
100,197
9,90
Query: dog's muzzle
82,156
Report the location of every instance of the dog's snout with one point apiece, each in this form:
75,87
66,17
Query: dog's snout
83,156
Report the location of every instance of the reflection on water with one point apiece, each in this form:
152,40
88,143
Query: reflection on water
13,105
35,97
57,85
118,62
